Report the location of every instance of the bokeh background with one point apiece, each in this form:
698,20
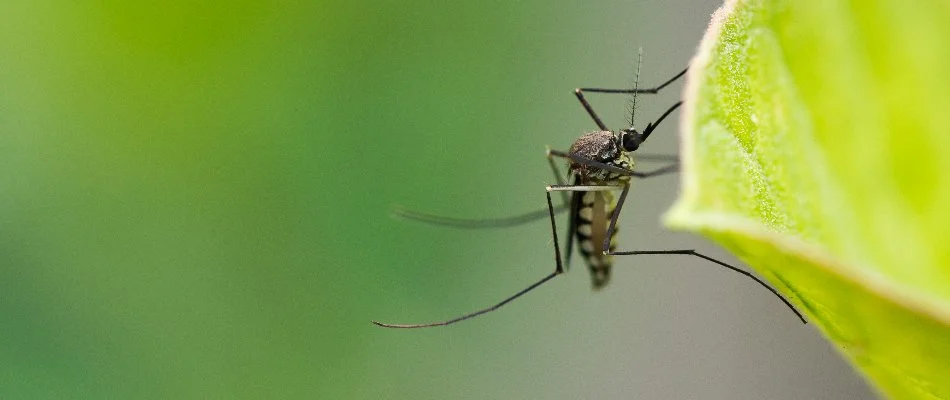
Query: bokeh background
195,196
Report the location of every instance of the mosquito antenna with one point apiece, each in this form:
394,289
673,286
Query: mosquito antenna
636,87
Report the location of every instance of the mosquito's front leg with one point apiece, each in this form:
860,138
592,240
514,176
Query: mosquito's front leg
579,92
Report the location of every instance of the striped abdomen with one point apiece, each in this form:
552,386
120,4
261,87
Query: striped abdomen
593,217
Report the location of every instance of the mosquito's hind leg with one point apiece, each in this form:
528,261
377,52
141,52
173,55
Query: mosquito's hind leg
480,223
691,252
558,269
491,223
613,224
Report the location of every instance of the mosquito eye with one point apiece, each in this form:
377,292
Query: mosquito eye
631,140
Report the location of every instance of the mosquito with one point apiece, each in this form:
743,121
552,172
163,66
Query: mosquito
600,164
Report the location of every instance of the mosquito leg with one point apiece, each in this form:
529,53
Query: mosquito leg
591,163
489,223
583,188
573,202
473,314
652,125
657,157
613,224
559,269
557,173
669,169
571,227
575,206
579,93
653,90
692,252
480,223
599,165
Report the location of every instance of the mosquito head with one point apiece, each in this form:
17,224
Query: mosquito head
630,139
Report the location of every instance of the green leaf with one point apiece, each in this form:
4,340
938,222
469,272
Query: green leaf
817,149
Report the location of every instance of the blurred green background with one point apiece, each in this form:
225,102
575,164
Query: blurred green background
195,204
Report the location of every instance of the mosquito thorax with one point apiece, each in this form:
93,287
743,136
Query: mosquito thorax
601,146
